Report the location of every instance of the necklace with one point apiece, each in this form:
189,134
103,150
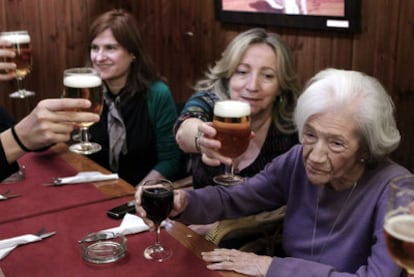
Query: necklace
315,223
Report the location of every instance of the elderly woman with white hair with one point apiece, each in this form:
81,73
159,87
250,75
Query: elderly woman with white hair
335,186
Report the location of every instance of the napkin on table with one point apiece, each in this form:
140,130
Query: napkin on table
130,224
86,176
7,245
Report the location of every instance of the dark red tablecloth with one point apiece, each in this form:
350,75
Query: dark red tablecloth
60,255
37,199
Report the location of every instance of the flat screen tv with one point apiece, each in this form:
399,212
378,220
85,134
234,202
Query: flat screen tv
337,15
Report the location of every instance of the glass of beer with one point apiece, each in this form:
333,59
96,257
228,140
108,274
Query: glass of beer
84,82
232,122
20,44
399,222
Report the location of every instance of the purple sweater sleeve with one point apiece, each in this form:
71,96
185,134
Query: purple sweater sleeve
355,247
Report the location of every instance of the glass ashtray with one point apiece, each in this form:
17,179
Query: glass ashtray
103,247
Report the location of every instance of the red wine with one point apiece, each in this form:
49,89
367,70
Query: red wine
157,202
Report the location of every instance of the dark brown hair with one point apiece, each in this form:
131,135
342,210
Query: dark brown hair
125,30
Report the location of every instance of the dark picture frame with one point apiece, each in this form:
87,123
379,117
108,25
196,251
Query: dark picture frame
347,20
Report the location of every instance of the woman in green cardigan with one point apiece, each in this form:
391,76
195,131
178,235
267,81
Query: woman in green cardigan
135,129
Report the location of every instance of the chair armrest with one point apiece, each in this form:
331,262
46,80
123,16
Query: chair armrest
183,183
233,228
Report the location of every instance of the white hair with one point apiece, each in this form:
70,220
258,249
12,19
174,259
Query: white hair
368,102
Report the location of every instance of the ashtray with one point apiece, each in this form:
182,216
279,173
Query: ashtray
103,247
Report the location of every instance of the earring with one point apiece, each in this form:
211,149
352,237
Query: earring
362,160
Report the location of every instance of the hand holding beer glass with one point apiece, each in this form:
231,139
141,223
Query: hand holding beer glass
20,44
232,123
85,83
399,222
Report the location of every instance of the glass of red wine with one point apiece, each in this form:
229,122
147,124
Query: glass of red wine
157,201
399,222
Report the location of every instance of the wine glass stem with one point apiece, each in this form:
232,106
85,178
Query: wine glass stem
84,136
157,234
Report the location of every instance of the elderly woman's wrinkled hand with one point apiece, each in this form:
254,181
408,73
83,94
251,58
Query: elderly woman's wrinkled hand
180,203
210,146
238,261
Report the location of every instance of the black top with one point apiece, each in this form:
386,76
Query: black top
6,121
149,137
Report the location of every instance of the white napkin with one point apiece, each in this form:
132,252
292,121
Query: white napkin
130,224
7,245
86,176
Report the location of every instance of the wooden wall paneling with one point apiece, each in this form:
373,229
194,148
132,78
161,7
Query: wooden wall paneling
341,51
295,44
386,34
203,44
21,20
3,12
52,47
403,84
179,41
307,56
365,41
73,33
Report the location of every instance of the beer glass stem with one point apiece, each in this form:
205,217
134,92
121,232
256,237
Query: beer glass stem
20,89
21,92
84,135
229,170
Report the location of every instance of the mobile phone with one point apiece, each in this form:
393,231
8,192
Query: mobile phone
118,212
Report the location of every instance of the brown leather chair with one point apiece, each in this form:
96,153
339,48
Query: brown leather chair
261,232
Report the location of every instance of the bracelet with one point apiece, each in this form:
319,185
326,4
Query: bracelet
23,147
197,142
19,142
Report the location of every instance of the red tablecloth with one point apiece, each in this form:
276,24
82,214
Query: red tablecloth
60,255
37,199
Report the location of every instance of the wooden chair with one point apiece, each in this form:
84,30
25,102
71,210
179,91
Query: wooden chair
260,233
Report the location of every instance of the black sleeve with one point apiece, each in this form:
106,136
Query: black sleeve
6,121
6,169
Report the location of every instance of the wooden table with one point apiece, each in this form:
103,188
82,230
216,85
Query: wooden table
120,188
81,163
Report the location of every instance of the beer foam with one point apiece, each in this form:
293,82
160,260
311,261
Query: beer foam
82,81
231,108
401,227
16,38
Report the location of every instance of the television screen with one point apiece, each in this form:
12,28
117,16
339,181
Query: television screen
340,15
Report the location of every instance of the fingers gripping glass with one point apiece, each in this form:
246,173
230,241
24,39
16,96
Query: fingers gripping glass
399,222
21,45
232,123
157,201
84,83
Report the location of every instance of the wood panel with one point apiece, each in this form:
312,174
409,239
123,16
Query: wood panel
184,38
